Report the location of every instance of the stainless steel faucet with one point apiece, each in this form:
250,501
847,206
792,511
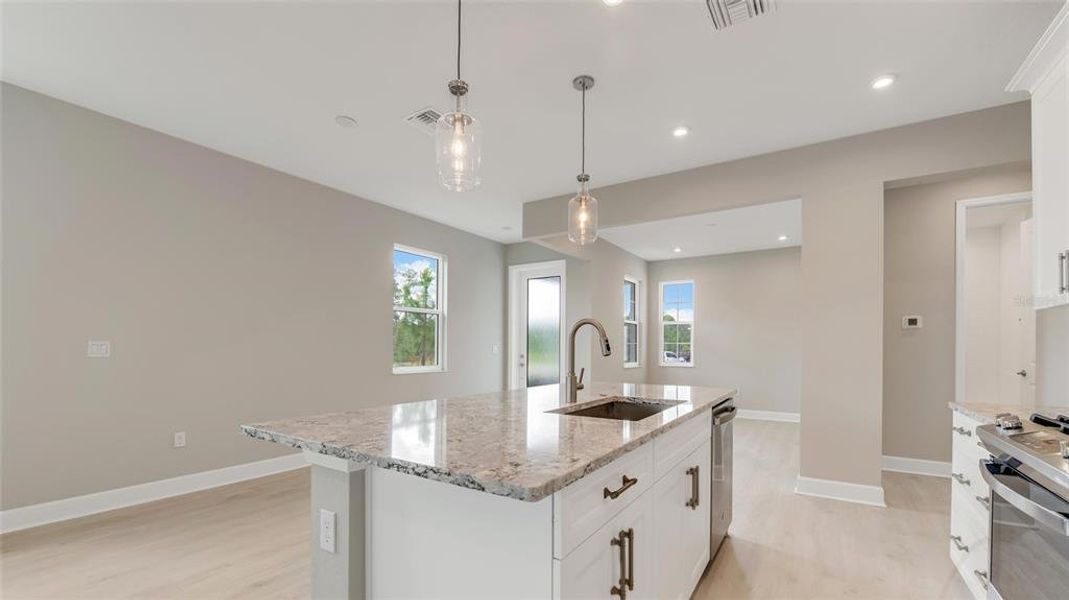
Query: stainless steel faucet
576,383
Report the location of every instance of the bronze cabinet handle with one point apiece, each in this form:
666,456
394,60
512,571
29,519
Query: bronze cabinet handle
627,564
962,431
627,483
695,498
620,589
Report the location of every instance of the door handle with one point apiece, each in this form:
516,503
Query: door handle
1022,373
1063,272
695,488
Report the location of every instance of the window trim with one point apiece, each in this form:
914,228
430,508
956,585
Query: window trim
639,329
660,319
440,346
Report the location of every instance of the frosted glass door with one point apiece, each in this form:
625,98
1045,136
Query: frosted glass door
543,331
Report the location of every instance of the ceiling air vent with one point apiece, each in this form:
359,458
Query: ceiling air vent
726,13
424,120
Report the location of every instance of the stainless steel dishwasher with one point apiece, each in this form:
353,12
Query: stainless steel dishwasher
721,475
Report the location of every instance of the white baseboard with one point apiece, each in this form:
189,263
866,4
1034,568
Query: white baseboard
70,508
871,495
916,466
769,415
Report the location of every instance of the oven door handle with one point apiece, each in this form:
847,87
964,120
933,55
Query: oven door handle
1041,514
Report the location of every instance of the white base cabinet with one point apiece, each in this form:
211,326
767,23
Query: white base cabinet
681,504
970,523
617,560
636,528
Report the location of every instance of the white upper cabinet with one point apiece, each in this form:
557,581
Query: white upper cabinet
1045,74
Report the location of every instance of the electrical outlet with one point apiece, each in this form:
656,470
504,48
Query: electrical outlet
327,528
179,439
98,349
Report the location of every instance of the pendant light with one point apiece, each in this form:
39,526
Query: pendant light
458,137
583,208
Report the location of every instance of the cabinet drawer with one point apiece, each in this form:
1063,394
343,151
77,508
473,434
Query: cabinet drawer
595,566
582,508
965,473
675,445
969,522
964,428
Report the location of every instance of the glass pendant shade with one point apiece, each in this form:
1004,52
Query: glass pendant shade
583,217
458,137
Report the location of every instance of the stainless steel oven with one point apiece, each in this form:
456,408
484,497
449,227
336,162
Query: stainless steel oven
1029,535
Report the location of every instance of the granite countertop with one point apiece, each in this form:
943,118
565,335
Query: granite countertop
503,443
985,413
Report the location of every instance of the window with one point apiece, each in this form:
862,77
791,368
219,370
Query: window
418,311
677,324
631,323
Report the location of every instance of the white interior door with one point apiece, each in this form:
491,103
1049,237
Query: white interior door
1027,334
536,337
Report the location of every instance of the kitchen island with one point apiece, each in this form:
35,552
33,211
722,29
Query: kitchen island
507,495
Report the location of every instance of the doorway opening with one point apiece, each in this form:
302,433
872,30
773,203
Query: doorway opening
996,328
536,312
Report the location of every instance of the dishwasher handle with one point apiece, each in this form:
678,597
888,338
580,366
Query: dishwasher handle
725,416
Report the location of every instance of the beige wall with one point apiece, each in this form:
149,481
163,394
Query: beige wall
919,274
595,278
230,293
841,184
747,325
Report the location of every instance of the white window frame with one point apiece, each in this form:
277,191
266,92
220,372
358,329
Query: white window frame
660,319
440,346
639,330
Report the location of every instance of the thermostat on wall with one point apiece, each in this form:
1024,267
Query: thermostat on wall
912,322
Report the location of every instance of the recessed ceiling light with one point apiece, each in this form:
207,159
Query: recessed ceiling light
345,121
612,2
883,81
677,249
680,131
783,238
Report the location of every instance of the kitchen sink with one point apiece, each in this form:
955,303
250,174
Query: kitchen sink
619,408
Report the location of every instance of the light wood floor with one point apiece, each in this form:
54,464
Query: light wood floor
251,540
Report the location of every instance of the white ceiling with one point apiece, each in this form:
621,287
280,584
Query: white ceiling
720,232
264,81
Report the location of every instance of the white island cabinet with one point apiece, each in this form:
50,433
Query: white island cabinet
502,496
1045,75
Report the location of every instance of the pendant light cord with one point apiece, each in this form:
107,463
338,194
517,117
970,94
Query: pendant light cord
458,38
583,135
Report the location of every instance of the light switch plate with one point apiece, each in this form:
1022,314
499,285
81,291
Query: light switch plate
179,439
327,528
98,349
